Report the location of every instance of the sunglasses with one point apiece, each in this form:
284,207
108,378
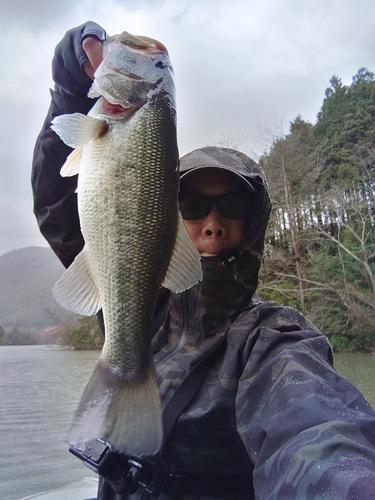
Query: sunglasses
234,205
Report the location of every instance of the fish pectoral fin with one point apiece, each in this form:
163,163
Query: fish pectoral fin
185,268
76,129
76,290
72,164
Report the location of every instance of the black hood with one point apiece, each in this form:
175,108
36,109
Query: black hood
231,278
240,164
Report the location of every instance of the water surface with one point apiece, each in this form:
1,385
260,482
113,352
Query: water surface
359,369
39,391
40,388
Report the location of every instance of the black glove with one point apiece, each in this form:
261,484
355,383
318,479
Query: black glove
67,64
55,200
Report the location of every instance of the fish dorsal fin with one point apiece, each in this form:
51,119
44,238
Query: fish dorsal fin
72,164
76,129
185,269
76,290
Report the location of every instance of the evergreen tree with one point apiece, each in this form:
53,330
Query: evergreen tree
345,131
323,187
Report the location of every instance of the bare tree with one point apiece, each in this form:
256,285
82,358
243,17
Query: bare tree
352,217
284,166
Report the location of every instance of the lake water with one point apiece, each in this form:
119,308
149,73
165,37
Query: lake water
39,391
40,388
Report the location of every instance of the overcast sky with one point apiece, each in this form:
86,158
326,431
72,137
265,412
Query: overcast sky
241,67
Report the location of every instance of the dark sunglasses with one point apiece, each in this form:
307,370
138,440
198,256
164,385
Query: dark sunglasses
234,205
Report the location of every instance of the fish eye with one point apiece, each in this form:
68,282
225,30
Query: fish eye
160,65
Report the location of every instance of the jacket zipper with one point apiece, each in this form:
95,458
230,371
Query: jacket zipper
184,330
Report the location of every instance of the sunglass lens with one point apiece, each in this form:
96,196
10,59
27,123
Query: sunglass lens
194,206
235,205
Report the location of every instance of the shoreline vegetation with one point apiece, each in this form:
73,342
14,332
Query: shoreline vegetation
85,334
320,245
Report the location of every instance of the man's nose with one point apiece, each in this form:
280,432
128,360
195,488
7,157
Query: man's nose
213,225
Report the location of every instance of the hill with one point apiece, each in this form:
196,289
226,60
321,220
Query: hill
321,236
27,276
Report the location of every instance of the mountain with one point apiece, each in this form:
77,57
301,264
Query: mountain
27,276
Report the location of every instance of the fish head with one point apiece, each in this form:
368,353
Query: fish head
133,69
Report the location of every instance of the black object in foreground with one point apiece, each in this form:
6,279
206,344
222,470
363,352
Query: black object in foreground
122,472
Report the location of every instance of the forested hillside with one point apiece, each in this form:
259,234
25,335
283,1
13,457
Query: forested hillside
320,251
27,306
28,312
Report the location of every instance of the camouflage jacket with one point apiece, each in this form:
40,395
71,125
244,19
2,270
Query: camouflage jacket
272,419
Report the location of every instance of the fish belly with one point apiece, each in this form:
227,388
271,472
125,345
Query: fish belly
127,197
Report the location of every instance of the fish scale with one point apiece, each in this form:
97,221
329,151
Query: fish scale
126,158
141,176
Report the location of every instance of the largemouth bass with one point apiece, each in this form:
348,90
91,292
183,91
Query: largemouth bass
126,156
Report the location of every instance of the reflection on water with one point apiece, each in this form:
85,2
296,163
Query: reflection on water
39,391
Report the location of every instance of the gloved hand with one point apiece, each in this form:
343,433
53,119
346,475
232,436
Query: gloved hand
76,57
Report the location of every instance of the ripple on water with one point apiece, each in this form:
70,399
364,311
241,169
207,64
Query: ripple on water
39,391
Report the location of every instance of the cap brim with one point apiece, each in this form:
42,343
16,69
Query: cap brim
240,177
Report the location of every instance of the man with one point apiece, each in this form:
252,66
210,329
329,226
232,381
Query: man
269,418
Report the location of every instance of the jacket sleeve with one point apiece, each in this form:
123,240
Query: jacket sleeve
55,201
307,430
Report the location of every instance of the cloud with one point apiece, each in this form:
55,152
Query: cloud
239,66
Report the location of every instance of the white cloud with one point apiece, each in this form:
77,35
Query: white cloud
237,64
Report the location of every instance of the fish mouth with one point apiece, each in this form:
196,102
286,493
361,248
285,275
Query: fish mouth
138,43
113,109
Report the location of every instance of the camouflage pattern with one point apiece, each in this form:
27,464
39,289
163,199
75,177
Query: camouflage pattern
273,419
306,431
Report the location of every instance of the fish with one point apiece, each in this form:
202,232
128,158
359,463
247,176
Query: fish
125,153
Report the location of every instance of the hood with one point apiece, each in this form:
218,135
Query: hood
240,164
231,278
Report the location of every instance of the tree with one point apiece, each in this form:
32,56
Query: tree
363,76
322,180
355,236
340,264
345,129
87,335
286,169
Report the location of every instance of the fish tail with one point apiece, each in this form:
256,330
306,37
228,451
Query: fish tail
124,411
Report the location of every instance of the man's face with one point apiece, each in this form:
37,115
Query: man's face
214,232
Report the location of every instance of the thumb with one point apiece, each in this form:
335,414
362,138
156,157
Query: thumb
93,48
